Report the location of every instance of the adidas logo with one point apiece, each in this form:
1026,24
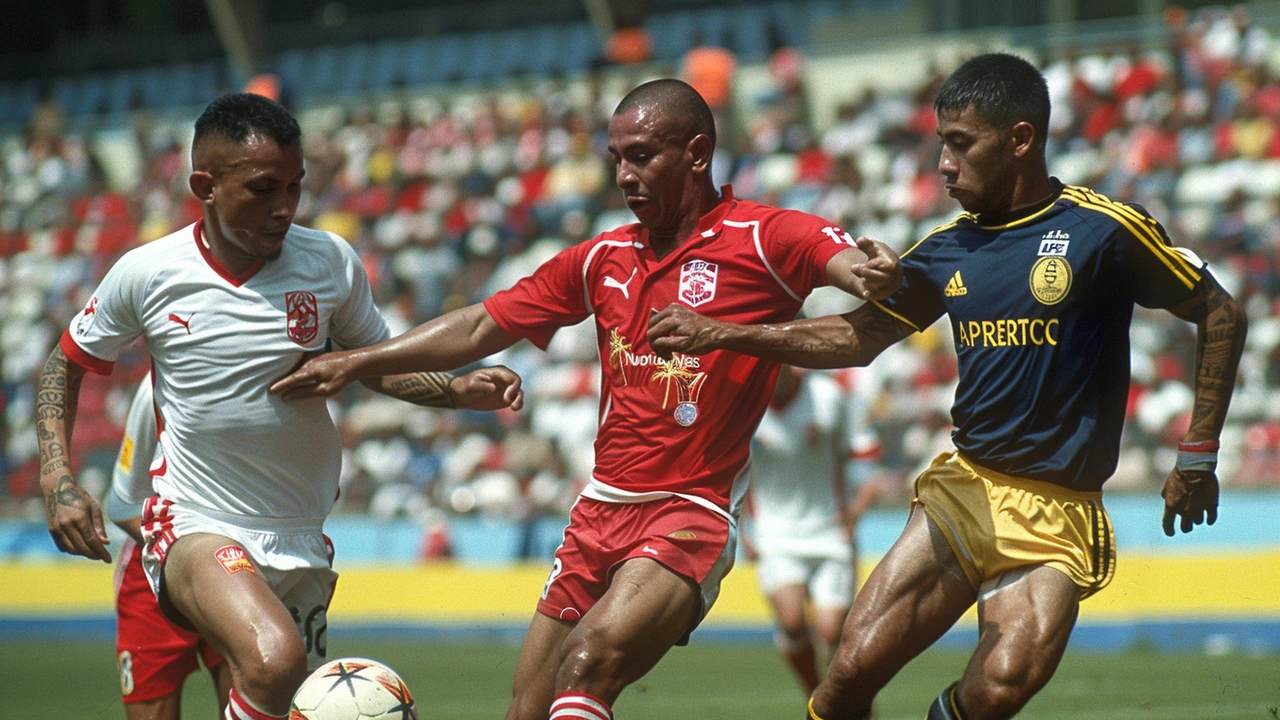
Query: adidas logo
955,286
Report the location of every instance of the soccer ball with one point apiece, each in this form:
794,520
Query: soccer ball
353,689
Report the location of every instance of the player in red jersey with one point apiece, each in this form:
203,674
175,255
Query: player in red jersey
153,655
656,528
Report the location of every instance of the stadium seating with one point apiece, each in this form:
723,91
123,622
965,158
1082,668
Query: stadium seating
440,192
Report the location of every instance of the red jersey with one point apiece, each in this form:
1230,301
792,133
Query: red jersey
681,426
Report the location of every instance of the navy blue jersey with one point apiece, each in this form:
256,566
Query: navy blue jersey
1040,310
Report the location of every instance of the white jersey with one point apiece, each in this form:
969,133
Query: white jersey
217,342
797,466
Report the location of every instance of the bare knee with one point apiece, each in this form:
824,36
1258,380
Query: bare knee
592,663
791,621
828,626
270,667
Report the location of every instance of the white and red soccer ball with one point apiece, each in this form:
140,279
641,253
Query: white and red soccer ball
353,689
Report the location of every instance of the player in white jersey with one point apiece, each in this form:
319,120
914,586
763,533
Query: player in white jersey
234,546
154,656
802,515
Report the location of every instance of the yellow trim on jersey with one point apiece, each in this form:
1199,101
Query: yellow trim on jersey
1019,221
1145,231
894,314
935,231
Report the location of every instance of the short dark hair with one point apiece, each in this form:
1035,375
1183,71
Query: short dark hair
1003,89
236,116
677,98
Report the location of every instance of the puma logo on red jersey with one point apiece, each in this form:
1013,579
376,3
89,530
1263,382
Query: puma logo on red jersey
611,283
186,324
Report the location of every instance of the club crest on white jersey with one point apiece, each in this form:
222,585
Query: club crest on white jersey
698,282
86,319
303,316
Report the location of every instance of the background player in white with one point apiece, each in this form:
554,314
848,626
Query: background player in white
803,512
233,539
153,655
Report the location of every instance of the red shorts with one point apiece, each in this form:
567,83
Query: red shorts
154,656
688,539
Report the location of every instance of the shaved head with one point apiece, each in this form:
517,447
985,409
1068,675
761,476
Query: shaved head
236,119
683,107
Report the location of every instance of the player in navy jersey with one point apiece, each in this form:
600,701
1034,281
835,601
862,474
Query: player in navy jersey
1038,281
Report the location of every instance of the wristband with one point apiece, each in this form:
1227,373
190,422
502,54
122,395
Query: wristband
1205,446
1197,461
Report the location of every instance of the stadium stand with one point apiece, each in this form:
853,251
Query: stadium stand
457,162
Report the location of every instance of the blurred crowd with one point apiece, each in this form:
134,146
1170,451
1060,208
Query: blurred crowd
449,197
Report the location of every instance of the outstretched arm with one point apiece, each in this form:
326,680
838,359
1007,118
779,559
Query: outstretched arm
870,271
852,339
74,518
491,388
452,340
1191,490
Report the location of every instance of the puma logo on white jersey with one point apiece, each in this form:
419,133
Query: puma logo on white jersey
610,282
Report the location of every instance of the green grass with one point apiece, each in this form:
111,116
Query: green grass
709,682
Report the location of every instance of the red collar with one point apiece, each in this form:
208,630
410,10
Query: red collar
233,278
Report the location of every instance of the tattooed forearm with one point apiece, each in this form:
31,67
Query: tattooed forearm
429,389
56,399
1219,343
852,339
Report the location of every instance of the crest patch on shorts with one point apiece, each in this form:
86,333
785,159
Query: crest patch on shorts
234,559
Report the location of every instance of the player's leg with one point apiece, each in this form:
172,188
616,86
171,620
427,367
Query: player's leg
535,682
793,638
232,606
913,596
784,579
647,610
153,656
168,707
831,591
1024,629
222,683
219,673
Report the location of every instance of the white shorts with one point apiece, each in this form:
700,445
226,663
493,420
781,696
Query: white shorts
829,582
295,559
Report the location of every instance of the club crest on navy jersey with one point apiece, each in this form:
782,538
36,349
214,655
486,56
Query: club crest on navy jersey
303,316
1050,279
698,282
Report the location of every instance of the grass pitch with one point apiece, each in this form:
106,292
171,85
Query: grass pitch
44,679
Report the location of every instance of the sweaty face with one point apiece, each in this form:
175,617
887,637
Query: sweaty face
976,162
256,186
652,167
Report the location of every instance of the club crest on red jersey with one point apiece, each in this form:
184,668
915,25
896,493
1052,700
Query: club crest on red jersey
303,316
698,282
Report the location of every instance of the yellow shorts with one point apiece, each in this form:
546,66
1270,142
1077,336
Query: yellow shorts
997,523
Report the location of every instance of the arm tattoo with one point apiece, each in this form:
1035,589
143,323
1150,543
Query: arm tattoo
66,493
1221,328
852,339
429,389
56,400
